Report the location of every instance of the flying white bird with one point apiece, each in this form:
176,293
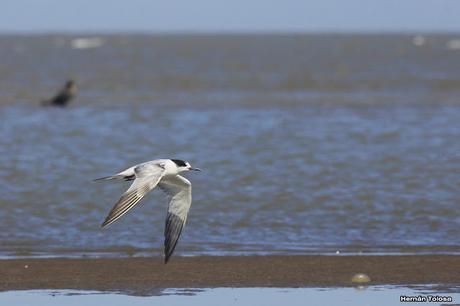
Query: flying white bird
163,173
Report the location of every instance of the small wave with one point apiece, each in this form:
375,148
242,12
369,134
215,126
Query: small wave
453,44
87,43
419,40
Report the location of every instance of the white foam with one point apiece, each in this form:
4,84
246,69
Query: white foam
419,40
453,44
87,42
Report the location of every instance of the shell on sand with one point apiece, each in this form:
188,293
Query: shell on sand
360,278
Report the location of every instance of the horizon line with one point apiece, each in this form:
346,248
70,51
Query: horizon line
229,32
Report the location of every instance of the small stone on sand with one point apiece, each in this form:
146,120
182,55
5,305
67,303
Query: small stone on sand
360,278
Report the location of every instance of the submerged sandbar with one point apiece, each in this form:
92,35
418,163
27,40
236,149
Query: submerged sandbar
145,274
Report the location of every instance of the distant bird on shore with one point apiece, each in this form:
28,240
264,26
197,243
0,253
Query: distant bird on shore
64,96
163,173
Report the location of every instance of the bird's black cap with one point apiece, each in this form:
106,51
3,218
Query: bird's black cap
179,162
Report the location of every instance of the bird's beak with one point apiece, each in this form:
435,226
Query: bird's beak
195,169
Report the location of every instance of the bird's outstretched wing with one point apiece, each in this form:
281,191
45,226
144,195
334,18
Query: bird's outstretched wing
179,190
147,177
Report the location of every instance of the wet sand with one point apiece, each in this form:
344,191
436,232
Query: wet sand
143,275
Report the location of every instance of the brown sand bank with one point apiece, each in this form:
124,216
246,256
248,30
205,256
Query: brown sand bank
144,274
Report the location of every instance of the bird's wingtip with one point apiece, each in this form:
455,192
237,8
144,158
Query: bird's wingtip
105,224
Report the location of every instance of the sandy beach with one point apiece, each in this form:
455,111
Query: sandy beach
140,275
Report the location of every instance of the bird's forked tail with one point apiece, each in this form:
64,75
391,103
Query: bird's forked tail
109,178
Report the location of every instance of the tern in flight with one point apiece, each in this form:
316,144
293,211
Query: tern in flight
163,173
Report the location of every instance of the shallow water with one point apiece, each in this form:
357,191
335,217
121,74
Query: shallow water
309,144
377,295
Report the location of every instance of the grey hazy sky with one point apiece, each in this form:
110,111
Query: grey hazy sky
230,15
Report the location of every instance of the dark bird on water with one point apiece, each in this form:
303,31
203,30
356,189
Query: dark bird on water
64,96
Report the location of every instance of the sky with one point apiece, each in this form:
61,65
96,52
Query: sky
152,16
